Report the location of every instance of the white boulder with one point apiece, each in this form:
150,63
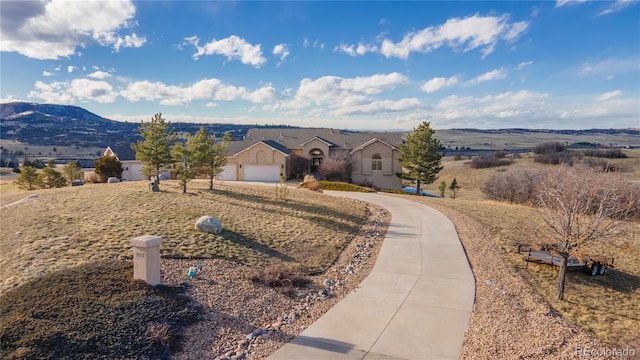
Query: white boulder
209,224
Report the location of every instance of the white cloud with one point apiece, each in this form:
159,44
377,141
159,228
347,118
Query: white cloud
612,6
314,44
497,74
609,95
617,6
608,113
212,105
71,69
472,32
233,48
282,51
78,89
609,67
469,110
54,92
117,41
344,96
46,73
99,75
54,29
524,64
378,107
207,89
98,91
334,89
560,3
353,50
9,98
261,95
438,83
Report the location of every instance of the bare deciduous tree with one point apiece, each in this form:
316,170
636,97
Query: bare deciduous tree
581,206
337,166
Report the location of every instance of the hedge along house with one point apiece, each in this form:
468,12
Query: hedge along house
265,153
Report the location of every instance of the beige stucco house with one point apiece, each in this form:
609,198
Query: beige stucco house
264,154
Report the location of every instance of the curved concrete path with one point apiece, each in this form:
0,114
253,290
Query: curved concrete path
415,303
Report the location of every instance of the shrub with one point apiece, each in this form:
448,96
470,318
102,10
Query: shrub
299,165
549,147
500,154
515,186
278,276
343,186
556,158
487,161
108,166
92,178
457,157
600,164
337,166
605,153
442,187
368,184
313,185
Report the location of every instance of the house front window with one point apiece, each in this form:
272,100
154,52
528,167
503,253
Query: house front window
376,162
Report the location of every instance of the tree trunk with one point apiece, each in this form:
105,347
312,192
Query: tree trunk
211,182
158,175
561,276
418,187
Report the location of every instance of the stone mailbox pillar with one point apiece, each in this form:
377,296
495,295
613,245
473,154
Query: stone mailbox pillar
146,258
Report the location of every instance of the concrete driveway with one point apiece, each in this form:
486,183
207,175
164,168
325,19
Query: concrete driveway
415,304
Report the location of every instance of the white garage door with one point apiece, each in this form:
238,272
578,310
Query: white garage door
261,172
228,173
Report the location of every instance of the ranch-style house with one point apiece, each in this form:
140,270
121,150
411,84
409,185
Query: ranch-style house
264,154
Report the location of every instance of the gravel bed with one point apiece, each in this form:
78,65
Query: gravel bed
244,320
508,320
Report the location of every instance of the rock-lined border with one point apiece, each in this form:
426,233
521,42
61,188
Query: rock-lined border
244,320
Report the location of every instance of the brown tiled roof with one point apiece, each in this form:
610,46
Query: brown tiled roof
341,139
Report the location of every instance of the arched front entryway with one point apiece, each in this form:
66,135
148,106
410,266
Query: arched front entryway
316,156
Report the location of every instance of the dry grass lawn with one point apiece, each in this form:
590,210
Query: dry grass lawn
606,306
61,228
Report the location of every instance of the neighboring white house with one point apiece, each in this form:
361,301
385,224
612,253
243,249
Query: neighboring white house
132,168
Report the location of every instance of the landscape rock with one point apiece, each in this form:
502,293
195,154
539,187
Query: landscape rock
113,180
209,224
153,186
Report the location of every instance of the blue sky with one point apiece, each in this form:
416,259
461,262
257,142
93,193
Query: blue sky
354,65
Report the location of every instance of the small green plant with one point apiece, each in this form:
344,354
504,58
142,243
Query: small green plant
454,187
281,188
442,187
